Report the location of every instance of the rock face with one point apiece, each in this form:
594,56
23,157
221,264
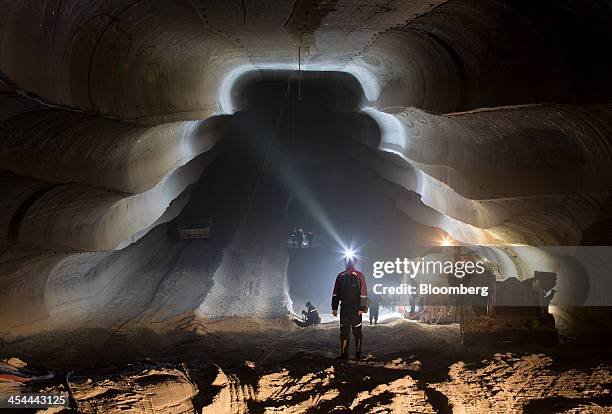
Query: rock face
114,116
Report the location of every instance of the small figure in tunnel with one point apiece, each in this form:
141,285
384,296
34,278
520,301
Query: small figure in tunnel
310,316
294,236
299,237
309,238
374,308
350,291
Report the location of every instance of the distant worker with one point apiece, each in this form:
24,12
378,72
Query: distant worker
299,237
310,316
293,242
374,308
350,291
309,238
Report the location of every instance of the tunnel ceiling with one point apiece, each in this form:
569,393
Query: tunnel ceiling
160,60
496,113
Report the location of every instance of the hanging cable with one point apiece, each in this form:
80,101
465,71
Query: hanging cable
259,183
300,68
288,125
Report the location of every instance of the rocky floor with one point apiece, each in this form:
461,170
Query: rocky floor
409,368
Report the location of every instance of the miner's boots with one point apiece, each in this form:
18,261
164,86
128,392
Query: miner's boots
358,343
344,346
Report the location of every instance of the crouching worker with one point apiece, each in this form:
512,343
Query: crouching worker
350,292
310,316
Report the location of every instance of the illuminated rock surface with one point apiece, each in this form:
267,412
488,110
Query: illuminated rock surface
486,121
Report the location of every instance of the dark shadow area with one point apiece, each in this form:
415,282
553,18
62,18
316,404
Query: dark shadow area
588,68
334,193
336,91
559,404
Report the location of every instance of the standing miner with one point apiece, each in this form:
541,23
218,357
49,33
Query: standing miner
350,291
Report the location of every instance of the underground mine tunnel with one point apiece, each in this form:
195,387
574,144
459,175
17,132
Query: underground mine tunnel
182,182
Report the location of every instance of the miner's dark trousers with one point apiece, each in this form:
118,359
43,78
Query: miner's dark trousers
373,315
350,319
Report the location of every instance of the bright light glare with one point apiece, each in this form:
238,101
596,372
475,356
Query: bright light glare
446,241
349,254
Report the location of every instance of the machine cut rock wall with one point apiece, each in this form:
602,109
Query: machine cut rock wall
493,115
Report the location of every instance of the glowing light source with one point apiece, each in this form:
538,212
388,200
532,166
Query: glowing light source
446,241
349,254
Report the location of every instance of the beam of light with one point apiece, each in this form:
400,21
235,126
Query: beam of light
291,181
305,196
446,241
349,254
371,88
349,250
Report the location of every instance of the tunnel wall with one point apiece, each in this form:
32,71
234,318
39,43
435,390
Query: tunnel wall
68,146
88,183
82,217
472,167
71,291
152,61
470,54
97,97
